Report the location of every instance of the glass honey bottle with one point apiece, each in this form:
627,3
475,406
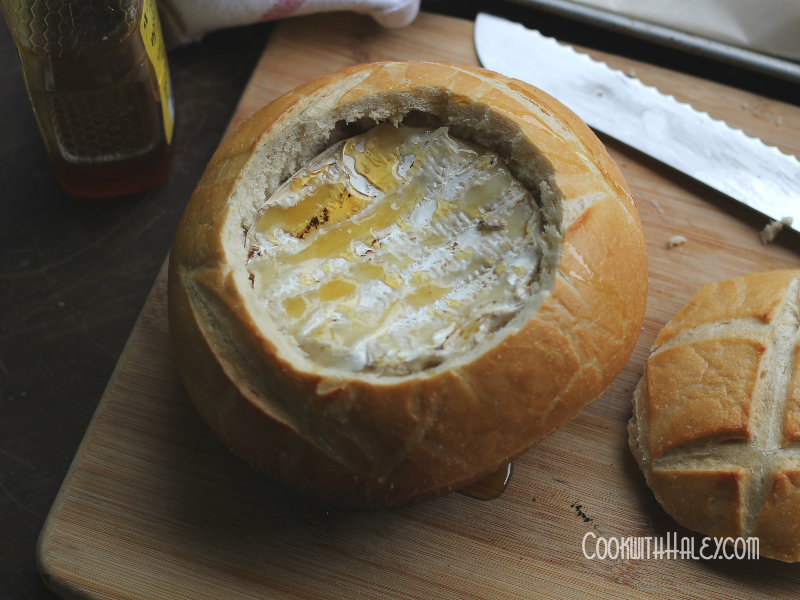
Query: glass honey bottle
98,80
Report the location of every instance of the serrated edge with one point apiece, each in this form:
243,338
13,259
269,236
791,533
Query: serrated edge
749,139
688,105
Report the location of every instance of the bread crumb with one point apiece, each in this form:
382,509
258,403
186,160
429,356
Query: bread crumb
657,207
676,240
771,229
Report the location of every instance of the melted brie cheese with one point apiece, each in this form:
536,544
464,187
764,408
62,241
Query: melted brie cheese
395,249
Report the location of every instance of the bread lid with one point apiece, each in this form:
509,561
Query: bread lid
716,416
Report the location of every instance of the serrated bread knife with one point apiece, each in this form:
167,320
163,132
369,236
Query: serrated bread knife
624,108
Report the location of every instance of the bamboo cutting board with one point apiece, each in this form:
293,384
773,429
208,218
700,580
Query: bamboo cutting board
154,507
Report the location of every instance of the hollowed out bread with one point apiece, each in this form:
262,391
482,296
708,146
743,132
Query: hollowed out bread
395,278
716,420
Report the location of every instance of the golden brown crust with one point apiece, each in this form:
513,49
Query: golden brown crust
370,441
712,398
716,414
791,424
779,523
707,501
757,296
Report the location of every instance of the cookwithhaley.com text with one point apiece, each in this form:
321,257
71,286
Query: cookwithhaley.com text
668,547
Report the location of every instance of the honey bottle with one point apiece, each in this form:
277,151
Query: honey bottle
97,77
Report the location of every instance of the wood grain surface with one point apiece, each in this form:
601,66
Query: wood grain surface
154,507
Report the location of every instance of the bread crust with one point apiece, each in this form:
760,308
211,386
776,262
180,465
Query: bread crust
361,440
716,414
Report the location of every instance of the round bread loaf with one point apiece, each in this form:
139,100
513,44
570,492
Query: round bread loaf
394,279
716,419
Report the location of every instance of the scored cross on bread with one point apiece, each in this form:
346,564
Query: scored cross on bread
717,414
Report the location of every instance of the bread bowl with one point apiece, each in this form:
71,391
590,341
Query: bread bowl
324,392
716,418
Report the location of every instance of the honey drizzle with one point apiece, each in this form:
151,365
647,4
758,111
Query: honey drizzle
395,226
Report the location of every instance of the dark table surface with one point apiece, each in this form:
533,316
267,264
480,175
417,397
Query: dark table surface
74,277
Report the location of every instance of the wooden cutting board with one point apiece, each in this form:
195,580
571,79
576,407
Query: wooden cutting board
154,507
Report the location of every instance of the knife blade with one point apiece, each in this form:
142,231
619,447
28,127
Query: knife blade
741,167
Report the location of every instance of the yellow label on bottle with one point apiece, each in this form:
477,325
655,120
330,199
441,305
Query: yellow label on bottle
150,27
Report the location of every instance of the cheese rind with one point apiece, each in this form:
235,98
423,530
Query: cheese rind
395,248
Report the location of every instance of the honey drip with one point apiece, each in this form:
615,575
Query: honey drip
490,487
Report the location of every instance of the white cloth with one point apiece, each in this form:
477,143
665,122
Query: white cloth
187,20
766,26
